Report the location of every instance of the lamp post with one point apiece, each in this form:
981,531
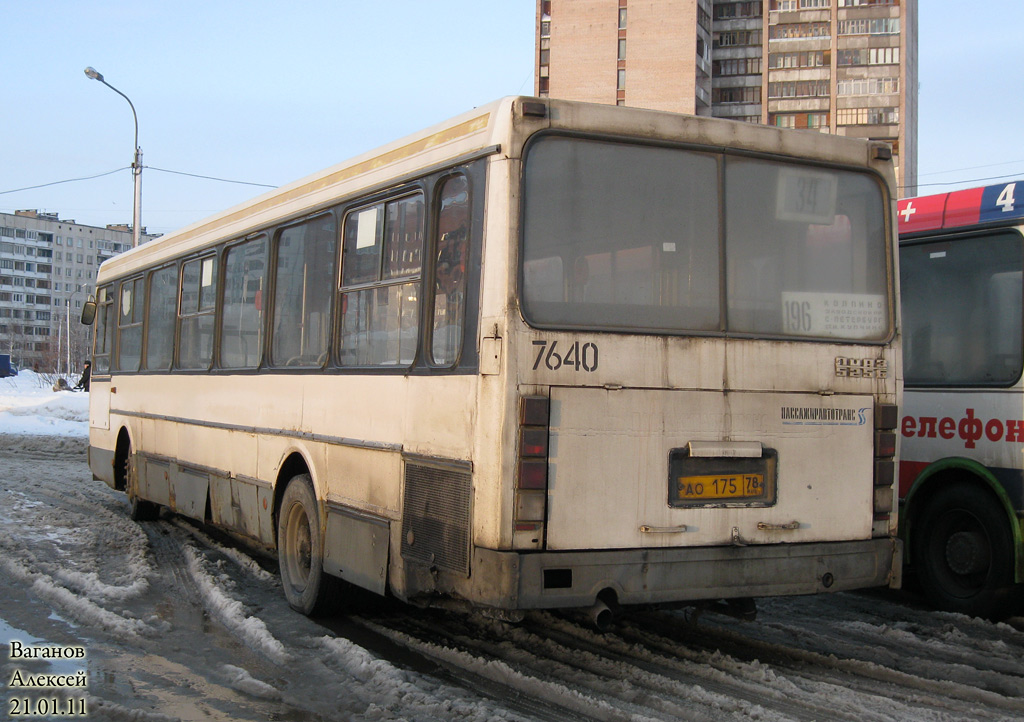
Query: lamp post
136,164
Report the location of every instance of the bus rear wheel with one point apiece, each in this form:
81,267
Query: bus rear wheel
300,549
963,553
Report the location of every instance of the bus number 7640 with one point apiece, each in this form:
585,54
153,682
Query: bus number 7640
578,357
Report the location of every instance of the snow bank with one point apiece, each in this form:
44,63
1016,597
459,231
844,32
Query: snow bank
30,407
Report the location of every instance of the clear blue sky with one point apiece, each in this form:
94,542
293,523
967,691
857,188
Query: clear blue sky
267,92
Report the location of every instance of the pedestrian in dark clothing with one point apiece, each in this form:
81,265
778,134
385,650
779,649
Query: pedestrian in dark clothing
83,383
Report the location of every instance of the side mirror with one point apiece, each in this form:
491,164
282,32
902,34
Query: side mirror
89,312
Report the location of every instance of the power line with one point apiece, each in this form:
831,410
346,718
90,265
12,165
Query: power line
148,167
973,180
69,180
208,177
973,167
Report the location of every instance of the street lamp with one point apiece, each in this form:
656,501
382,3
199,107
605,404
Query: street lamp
136,164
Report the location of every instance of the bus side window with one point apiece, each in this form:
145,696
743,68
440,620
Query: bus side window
104,330
303,288
161,318
241,336
129,325
196,314
450,271
383,249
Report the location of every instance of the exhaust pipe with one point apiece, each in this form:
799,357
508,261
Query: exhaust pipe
601,616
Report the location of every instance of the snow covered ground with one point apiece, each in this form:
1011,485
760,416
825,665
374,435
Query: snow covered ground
177,622
30,407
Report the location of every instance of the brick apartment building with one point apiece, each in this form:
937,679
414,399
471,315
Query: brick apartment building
846,67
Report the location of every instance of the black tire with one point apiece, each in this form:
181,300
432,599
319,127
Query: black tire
962,550
300,549
141,510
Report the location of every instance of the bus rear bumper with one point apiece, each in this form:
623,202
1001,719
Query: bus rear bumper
658,576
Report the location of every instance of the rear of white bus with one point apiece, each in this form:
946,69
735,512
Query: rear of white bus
705,363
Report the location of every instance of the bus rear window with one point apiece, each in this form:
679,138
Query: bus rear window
619,236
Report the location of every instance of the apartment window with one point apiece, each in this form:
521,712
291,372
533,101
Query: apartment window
791,31
799,89
622,18
869,56
868,86
735,38
800,121
869,26
884,56
868,116
621,82
737,66
703,19
622,48
728,11
736,95
808,59
863,3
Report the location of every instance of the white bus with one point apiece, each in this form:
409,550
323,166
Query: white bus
545,355
962,462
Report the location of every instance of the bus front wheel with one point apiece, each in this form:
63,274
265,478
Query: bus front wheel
300,548
963,553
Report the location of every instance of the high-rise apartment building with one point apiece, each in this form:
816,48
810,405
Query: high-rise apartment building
847,67
47,271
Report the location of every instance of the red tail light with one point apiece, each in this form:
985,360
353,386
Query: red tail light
886,418
532,468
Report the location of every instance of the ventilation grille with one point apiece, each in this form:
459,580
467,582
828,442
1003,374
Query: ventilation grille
435,520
